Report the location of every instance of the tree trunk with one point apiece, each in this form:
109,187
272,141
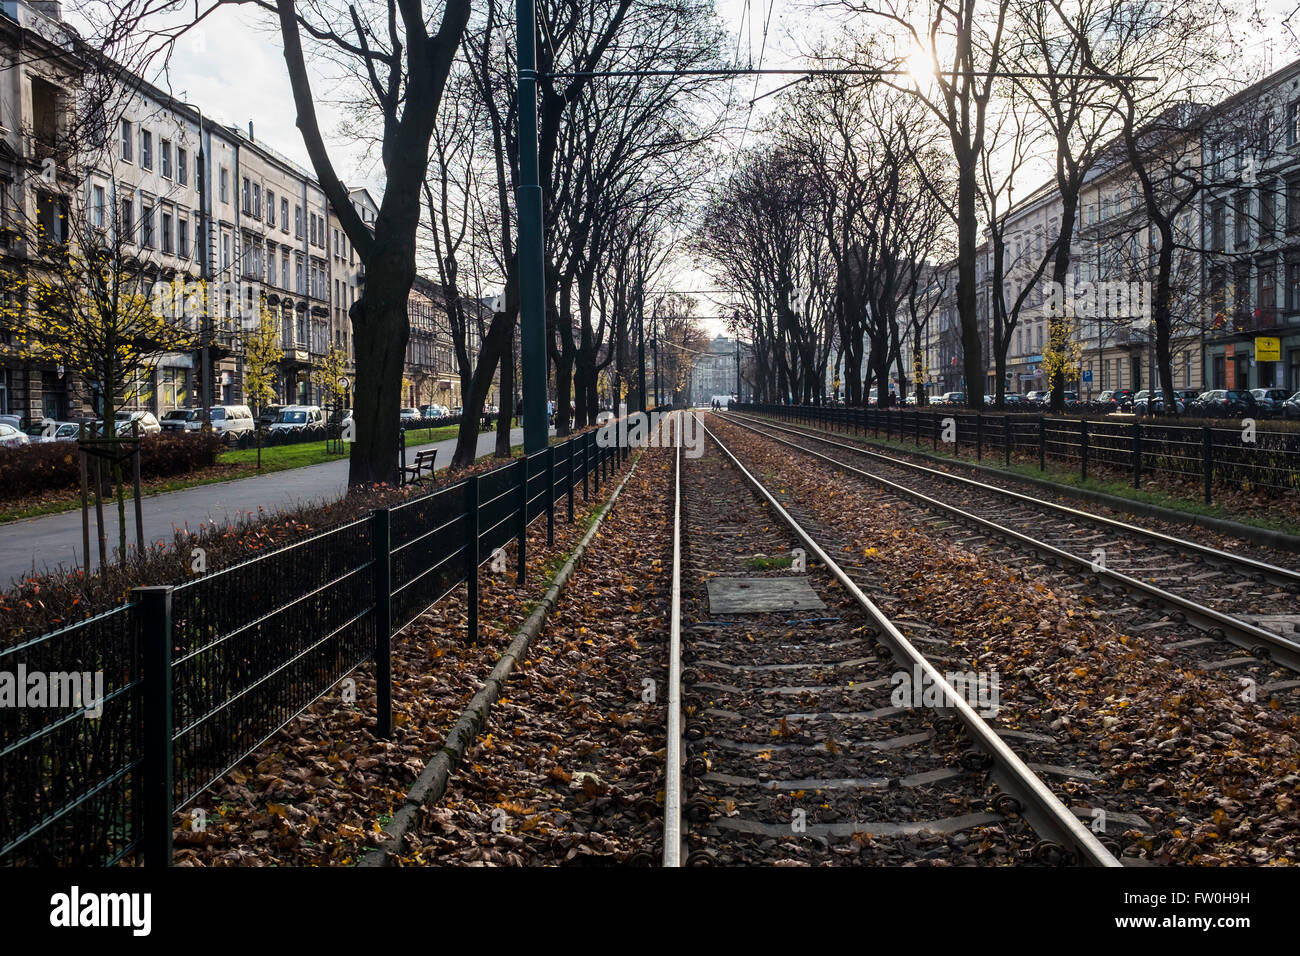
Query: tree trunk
381,327
507,403
967,293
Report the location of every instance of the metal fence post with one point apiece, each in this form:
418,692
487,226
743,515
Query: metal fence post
1042,443
1083,449
523,520
154,607
550,496
1008,438
569,482
1207,459
401,457
471,557
586,462
979,436
1137,455
382,549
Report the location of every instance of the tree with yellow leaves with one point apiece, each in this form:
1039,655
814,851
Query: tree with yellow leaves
262,355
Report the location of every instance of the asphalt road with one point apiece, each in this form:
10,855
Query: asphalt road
49,541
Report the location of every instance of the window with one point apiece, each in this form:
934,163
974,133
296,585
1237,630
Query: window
336,242
146,225
1293,285
257,201
312,218
1267,292
284,269
52,218
1218,216
225,251
1267,210
270,207
127,148
297,222
128,221
284,217
165,154
183,237
248,196
298,284
1293,204
167,232
1241,218
1293,123
225,184
172,387
146,149
182,166
97,212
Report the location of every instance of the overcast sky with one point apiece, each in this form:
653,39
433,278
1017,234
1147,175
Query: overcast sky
233,67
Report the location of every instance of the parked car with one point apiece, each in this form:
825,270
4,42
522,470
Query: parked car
11,437
951,398
1224,403
232,422
269,413
1113,400
13,421
1014,401
411,415
1270,401
1291,407
180,419
1144,403
146,420
49,431
298,418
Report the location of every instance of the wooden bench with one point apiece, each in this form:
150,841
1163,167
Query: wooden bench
421,469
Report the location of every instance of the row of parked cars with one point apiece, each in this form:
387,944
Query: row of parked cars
1214,403
232,422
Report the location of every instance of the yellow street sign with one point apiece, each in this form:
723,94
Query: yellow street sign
1268,349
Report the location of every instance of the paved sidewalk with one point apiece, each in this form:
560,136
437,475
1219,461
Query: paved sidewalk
49,541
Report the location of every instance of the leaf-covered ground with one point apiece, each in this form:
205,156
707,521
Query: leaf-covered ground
1214,777
319,791
570,767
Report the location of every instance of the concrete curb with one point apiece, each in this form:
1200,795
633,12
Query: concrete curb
432,782
1265,537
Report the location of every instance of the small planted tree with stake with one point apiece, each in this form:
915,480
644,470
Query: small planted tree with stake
262,353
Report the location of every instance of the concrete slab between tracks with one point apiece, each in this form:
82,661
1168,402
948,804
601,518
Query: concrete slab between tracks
762,595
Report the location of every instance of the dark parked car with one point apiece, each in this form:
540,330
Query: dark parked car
1270,401
1113,400
1224,403
266,418
1291,407
1144,403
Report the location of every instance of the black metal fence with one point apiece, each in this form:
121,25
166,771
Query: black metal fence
196,676
1244,457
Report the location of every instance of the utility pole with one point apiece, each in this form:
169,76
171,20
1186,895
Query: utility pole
528,200
640,324
738,369
654,349
205,277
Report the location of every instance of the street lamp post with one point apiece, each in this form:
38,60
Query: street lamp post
528,199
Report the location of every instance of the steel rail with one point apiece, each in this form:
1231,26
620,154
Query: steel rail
1257,640
673,774
1275,573
1042,808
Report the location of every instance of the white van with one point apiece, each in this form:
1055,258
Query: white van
297,418
232,422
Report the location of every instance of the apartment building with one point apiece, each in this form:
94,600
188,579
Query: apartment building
1251,208
191,199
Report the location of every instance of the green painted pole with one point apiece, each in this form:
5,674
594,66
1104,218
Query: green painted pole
528,199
